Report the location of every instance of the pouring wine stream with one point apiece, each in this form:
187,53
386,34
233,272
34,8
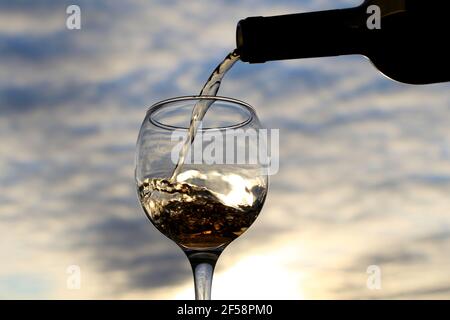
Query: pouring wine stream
211,88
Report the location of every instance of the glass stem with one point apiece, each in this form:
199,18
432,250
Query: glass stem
203,264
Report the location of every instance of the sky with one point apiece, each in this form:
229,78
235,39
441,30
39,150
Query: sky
364,174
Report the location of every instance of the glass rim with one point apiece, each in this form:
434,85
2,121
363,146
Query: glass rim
158,105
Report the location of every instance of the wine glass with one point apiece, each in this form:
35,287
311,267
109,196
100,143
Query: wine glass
215,196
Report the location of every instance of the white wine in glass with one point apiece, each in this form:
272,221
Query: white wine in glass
204,206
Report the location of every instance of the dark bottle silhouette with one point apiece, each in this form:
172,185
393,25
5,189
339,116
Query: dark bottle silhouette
409,43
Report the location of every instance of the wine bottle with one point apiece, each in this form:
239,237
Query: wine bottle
407,40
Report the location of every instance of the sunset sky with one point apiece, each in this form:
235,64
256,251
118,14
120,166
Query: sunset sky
364,161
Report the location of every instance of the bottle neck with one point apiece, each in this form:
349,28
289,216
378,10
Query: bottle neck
304,35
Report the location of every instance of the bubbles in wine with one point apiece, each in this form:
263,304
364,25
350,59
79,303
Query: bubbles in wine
196,217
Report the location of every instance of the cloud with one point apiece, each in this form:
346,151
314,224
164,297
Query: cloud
364,161
132,247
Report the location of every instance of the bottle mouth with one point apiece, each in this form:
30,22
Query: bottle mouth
239,36
231,113
249,33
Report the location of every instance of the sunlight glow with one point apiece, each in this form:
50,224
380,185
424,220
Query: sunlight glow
240,188
240,193
254,277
